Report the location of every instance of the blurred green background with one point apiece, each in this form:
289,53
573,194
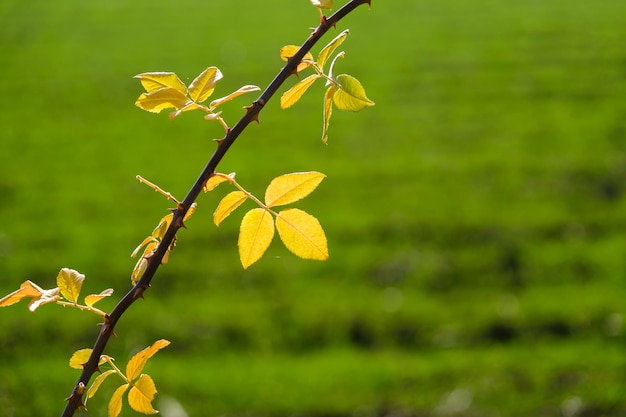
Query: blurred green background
476,215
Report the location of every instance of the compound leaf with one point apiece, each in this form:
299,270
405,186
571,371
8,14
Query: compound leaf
153,81
288,51
330,48
302,234
328,110
92,299
227,205
243,90
115,404
289,188
28,289
97,382
203,86
138,361
141,395
70,282
291,96
351,96
255,235
163,98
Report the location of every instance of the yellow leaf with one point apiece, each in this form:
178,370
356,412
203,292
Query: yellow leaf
302,234
141,395
97,382
153,81
138,361
255,235
79,358
70,282
292,187
291,96
190,212
190,105
328,110
162,227
227,205
243,90
28,289
351,96
138,270
203,86
330,48
144,243
115,405
164,98
47,296
92,299
288,51
215,180
323,4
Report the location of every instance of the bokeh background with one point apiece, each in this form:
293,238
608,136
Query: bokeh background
476,215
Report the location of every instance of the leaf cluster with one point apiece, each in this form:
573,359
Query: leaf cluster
345,91
141,388
66,293
301,232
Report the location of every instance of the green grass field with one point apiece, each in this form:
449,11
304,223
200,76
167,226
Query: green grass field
476,215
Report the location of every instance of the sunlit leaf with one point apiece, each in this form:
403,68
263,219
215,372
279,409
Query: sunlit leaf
255,235
291,96
331,70
115,404
153,81
190,105
162,227
215,180
97,382
302,234
288,51
141,395
138,270
227,205
70,282
164,98
328,50
47,296
190,212
243,90
351,96
323,4
289,188
138,361
203,86
328,110
79,358
144,243
92,299
28,289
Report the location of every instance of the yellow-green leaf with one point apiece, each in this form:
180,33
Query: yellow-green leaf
164,98
203,86
328,50
97,382
243,90
115,404
215,180
141,395
289,188
255,235
351,96
162,227
302,234
28,289
190,105
288,51
153,81
138,361
138,270
79,358
47,296
92,299
328,110
227,205
323,4
70,282
291,96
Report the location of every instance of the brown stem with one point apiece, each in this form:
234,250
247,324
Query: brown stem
75,400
